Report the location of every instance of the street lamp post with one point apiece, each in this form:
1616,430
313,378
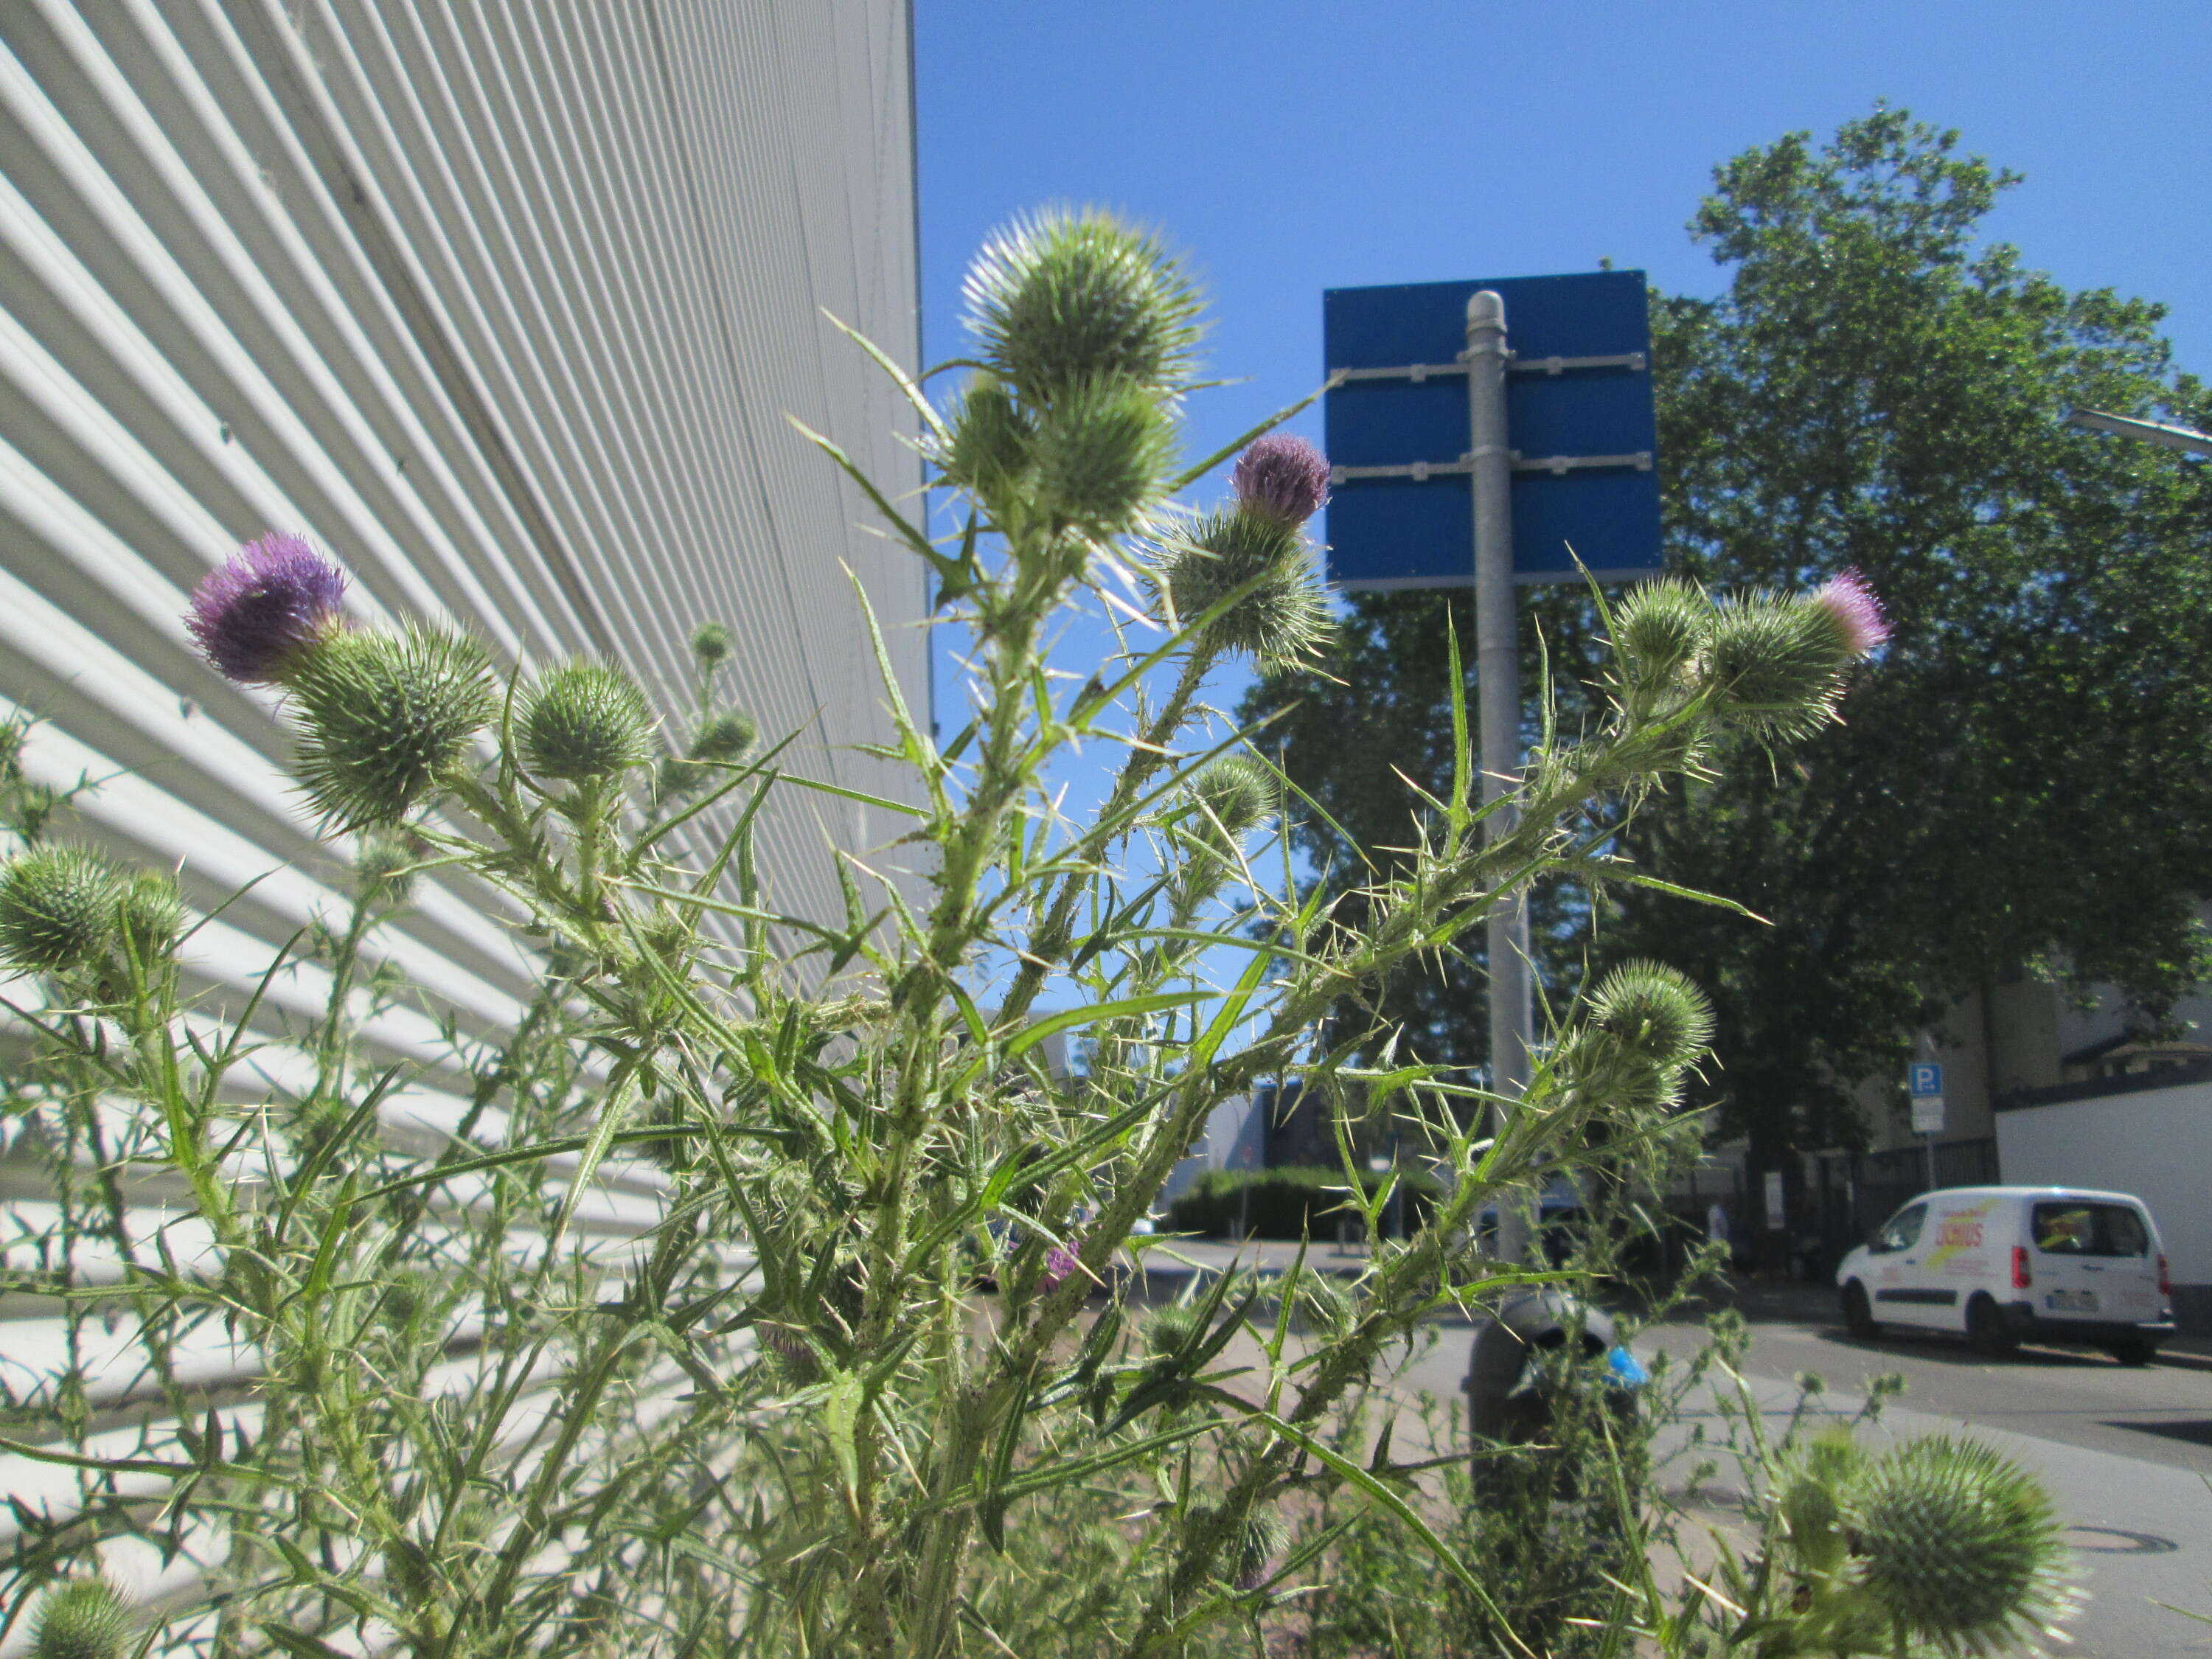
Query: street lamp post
2185,439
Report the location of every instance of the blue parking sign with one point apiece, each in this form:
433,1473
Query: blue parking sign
1925,1078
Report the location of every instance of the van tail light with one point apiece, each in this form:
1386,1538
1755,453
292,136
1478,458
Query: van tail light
2021,1278
2165,1278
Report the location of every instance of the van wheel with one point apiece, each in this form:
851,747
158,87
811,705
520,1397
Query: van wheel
2135,1351
1858,1313
1985,1329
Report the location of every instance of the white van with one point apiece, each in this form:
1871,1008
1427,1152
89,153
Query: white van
2056,1264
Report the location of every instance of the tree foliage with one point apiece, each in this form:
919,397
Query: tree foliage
2017,782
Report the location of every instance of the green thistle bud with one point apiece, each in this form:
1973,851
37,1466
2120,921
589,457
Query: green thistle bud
722,739
1653,1014
586,722
150,915
1325,1303
1061,300
411,1293
1103,454
991,445
1170,1329
1657,628
383,716
1280,622
58,908
1259,1541
1238,792
1958,1546
86,1619
1776,665
711,645
1811,1501
384,870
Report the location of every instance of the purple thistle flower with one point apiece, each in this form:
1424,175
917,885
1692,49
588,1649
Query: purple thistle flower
1059,1262
1284,476
275,596
786,1343
1857,613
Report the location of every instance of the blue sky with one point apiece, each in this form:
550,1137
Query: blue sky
1289,148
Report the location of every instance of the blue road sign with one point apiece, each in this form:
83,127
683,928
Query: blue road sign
1923,1077
1583,433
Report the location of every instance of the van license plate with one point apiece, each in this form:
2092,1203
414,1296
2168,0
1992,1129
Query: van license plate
2072,1301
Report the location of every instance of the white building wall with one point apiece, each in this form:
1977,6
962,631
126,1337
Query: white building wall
2153,1143
503,302
1235,1137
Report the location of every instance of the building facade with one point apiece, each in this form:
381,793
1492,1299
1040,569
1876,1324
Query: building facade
506,304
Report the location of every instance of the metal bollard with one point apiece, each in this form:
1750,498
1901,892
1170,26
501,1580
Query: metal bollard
1513,1376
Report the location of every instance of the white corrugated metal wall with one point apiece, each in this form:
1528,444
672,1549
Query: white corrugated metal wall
504,301
506,304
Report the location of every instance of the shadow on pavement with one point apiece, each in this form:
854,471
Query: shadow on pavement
2194,1431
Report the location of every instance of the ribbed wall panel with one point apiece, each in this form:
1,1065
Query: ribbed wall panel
504,302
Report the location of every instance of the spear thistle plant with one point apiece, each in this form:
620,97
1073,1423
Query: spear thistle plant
788,1417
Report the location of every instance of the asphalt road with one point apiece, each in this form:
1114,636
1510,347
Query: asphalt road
2125,1452
2158,1414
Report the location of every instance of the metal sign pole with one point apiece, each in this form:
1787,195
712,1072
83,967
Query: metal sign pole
1498,676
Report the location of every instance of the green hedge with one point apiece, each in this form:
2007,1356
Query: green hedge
1288,1203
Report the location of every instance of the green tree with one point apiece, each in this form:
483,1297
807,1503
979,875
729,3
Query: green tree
2018,782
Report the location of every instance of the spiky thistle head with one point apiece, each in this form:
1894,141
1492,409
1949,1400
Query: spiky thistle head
1653,1012
1281,618
407,1295
85,1618
1809,1499
384,870
1657,627
58,908
1851,607
1236,791
257,614
1959,1547
584,722
723,738
1062,299
991,443
1172,1329
712,645
150,915
793,1354
1774,664
384,716
1325,1301
1259,1541
1282,476
1102,450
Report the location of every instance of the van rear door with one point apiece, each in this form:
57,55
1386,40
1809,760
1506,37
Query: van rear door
2093,1261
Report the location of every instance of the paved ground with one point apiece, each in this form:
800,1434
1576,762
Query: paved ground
2158,1414
2126,1452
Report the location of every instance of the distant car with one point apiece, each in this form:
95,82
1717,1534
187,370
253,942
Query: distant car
2000,1264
